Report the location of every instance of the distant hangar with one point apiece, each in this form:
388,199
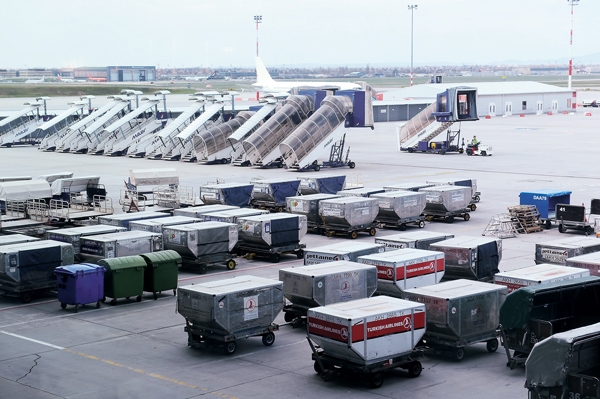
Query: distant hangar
117,73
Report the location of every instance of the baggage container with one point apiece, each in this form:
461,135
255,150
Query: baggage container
471,183
400,270
573,369
232,215
161,271
447,202
349,215
28,267
158,225
410,186
360,192
545,201
234,194
322,184
308,205
225,310
340,251
558,251
116,245
461,313
124,277
80,284
198,211
538,274
473,258
416,239
73,235
271,193
123,219
16,239
532,314
272,230
367,330
399,208
589,262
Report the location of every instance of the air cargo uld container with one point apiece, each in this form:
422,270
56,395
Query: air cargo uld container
322,184
198,211
473,258
340,251
73,235
407,186
117,245
271,193
400,270
538,274
460,313
589,261
349,213
416,239
272,230
235,194
123,219
366,331
16,239
447,201
558,251
308,205
471,183
232,215
158,225
399,208
545,201
360,192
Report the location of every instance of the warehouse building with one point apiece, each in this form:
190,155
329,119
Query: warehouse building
117,73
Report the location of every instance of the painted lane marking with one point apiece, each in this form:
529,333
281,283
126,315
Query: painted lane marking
33,340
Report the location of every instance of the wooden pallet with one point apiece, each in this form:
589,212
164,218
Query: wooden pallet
526,218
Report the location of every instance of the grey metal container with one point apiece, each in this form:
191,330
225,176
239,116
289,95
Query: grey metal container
395,206
322,184
308,205
360,192
16,239
589,261
236,194
328,283
123,219
349,211
201,239
410,186
197,211
474,258
116,245
273,192
471,183
444,199
232,215
230,305
416,239
459,309
272,230
158,225
558,251
349,251
73,235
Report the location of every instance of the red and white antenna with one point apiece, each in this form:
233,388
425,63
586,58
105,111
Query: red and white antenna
573,3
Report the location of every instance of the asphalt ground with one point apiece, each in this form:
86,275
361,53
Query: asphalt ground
136,350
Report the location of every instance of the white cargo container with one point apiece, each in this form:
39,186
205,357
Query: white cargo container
589,261
198,211
538,274
158,225
73,235
416,239
340,251
558,251
116,245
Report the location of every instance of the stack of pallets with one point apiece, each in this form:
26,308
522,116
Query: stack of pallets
526,218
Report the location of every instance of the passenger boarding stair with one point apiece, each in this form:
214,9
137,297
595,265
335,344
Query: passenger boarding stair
235,140
53,128
21,124
422,127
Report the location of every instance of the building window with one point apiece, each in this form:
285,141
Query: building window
523,105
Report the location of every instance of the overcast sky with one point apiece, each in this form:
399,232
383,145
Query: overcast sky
222,33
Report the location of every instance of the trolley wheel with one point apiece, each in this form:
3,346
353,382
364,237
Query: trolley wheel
410,150
351,165
26,297
421,224
442,152
230,264
429,218
473,207
376,380
458,354
268,339
372,232
317,168
353,234
138,298
414,369
289,317
224,161
76,307
113,302
63,305
317,368
469,152
562,228
174,291
275,258
450,219
98,305
548,225
467,217
280,165
476,198
460,151
103,299
155,295
589,230
492,345
402,226
300,254
230,348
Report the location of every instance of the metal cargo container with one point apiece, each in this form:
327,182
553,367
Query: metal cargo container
407,186
473,258
235,194
308,205
460,313
348,212
538,274
322,184
367,330
340,251
158,225
273,192
417,239
201,239
232,215
73,235
589,261
397,208
117,245
272,230
197,211
328,283
400,270
16,239
446,200
123,219
558,251
360,192
471,183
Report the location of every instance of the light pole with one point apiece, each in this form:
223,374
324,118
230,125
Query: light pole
258,20
412,8
573,3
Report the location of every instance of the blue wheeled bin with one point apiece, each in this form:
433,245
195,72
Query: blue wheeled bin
545,201
80,284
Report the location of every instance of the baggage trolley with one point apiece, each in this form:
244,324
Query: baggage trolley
448,216
273,253
456,346
203,262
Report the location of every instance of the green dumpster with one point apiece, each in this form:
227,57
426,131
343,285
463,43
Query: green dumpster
161,271
124,277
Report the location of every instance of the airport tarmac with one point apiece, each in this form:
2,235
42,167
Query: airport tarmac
135,350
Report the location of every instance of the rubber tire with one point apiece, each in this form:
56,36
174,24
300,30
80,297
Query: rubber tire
98,305
113,302
467,217
353,235
414,369
317,168
458,354
224,161
351,165
138,298
469,152
155,296
548,224
372,232
230,264
317,368
289,317
275,258
473,207
268,339
76,307
63,305
589,230
300,254
477,198
483,153
562,228
450,219
26,297
280,165
410,150
229,348
461,151
442,152
375,380
492,345
402,227
421,224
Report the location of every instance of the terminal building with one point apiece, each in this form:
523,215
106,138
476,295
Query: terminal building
117,73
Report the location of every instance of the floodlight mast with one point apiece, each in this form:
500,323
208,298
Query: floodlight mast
412,8
573,3
258,20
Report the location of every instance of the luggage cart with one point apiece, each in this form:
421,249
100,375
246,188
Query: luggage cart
199,337
402,222
573,217
352,231
329,366
448,216
295,314
456,347
274,253
202,263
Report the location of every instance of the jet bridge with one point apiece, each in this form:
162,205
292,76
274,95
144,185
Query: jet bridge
456,104
19,125
60,123
212,146
262,147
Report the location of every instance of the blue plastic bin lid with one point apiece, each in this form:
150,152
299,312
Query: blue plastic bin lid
548,192
83,267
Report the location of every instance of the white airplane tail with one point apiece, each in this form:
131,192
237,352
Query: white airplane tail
262,75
